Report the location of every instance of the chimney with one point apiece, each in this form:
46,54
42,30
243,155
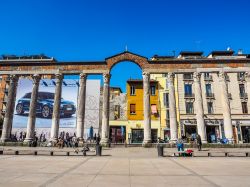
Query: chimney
240,52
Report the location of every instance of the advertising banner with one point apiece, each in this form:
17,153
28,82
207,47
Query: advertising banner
45,102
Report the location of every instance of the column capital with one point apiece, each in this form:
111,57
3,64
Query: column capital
83,75
36,78
171,76
59,76
146,76
14,78
197,76
106,77
247,76
222,75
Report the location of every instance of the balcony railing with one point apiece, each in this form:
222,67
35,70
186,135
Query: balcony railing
243,95
208,78
187,77
210,95
189,95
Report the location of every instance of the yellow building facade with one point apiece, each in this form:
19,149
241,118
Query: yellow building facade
135,113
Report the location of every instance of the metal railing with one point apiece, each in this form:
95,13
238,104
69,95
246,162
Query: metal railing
210,95
189,95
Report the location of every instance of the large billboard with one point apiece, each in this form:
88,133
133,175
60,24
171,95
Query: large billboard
45,102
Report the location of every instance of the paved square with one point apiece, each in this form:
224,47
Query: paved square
123,167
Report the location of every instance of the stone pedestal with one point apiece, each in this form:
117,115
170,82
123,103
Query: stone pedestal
199,108
172,109
105,110
56,108
146,108
228,128
32,109
81,107
10,106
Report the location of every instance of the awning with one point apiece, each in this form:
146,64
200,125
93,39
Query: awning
154,109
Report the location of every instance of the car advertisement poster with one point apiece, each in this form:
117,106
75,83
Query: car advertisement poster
45,102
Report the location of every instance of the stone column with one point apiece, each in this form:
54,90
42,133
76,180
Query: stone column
10,105
199,107
228,128
146,108
32,109
81,107
247,78
105,110
172,109
56,108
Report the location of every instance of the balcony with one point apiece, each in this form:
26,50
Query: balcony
188,77
188,95
243,95
208,78
210,95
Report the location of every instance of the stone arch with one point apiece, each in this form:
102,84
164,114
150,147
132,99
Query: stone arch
141,61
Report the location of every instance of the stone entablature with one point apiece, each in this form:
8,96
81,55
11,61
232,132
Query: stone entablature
175,66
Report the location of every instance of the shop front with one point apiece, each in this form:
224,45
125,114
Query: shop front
138,135
213,131
117,134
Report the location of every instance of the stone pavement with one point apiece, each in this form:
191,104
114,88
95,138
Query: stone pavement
123,167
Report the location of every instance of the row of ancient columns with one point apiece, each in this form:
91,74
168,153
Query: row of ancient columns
10,105
7,125
201,128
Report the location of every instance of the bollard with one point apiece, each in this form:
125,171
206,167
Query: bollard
98,150
246,154
209,154
35,152
51,153
84,153
160,150
226,154
67,153
16,152
1,152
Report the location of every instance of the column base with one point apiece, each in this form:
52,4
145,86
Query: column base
5,140
204,141
105,142
28,140
147,143
173,141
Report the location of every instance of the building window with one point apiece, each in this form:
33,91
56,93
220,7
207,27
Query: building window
242,90
188,89
152,90
188,76
244,107
154,109
132,108
208,90
207,76
189,108
166,99
132,90
210,109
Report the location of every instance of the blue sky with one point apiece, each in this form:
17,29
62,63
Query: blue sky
95,29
